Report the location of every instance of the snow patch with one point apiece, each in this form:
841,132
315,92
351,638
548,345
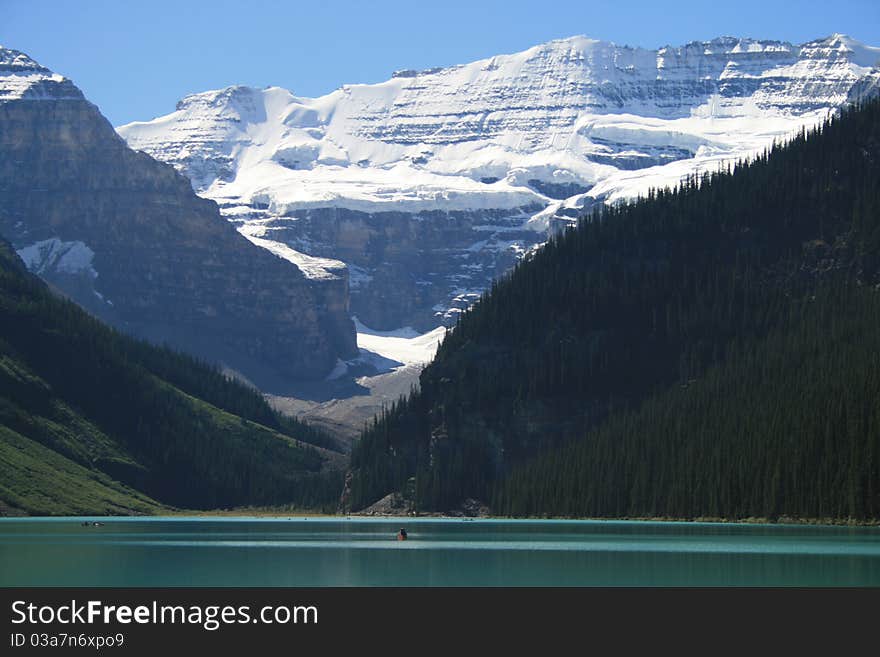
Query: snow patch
404,345
312,267
56,255
387,351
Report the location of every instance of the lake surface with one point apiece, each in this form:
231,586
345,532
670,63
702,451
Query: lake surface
440,552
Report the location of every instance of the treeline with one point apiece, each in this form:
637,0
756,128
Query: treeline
641,298
158,421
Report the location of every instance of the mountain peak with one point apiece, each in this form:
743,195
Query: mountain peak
579,44
22,77
217,97
840,38
16,60
579,41
849,48
240,97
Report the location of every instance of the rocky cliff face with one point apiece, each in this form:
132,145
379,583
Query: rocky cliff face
406,269
433,182
126,237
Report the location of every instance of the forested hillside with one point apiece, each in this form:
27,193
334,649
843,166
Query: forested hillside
92,421
707,350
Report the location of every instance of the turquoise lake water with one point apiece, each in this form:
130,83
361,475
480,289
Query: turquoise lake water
440,552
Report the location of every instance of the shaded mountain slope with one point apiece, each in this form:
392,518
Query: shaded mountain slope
638,301
125,237
94,421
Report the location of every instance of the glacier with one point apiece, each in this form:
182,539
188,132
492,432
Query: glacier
432,183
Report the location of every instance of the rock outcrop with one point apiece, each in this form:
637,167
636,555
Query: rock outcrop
408,269
126,237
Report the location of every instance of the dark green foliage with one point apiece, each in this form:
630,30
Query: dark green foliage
786,425
648,297
157,421
202,380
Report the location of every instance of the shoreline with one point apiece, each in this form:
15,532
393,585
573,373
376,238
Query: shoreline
780,520
248,513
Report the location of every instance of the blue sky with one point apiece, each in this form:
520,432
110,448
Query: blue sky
136,59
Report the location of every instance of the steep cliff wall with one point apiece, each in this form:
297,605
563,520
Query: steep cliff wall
126,237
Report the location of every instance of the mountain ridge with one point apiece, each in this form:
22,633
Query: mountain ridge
125,236
484,160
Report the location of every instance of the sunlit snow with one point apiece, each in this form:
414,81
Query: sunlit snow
474,136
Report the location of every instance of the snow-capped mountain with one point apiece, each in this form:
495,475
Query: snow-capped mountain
431,183
25,79
125,236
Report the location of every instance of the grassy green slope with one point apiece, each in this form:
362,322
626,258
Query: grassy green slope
41,481
95,422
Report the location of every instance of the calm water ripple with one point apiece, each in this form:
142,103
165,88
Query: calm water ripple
440,552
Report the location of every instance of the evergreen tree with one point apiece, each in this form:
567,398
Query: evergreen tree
545,397
157,421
